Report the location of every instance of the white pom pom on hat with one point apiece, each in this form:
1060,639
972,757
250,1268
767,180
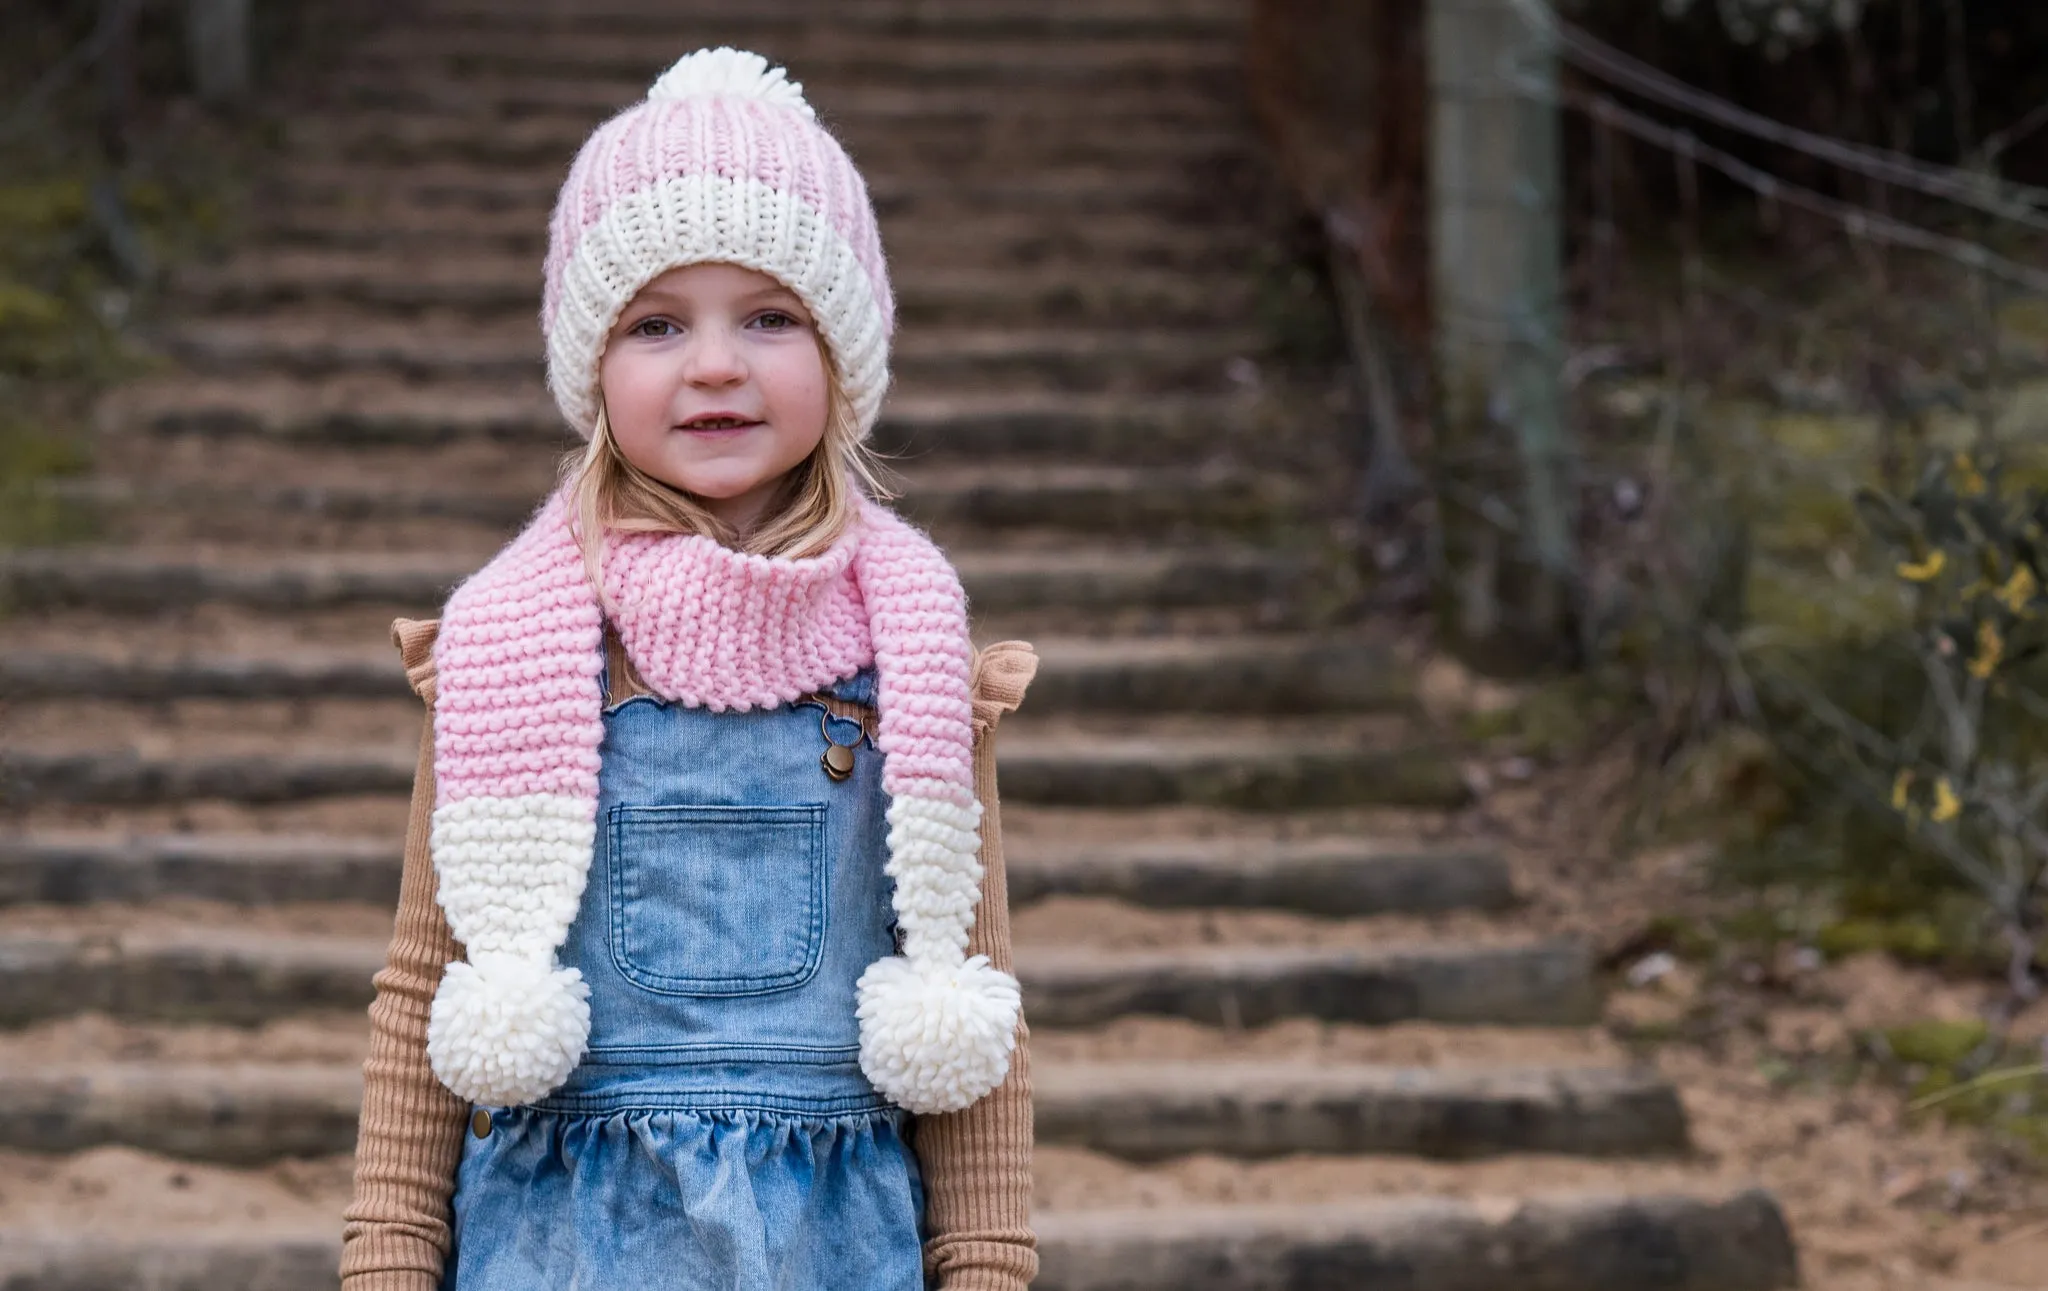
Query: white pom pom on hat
726,72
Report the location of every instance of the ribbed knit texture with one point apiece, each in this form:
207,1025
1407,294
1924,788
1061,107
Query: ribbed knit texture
976,1163
517,732
409,1136
724,161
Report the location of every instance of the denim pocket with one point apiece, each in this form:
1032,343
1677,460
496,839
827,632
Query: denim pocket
718,900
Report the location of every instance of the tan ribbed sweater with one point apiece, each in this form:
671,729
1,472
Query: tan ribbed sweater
976,1163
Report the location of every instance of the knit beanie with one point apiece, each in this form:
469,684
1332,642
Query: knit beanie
723,161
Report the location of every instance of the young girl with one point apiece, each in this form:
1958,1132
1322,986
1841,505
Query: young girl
688,928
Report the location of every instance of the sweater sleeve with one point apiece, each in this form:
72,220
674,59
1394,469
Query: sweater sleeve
977,1162
409,1139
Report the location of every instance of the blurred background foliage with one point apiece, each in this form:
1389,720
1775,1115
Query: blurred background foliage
1740,371
111,171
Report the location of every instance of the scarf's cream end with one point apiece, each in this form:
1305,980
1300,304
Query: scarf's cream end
507,1029
936,1037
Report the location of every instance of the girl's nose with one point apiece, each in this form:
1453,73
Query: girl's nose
713,359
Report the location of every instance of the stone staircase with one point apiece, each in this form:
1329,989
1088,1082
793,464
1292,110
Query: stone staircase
1288,1033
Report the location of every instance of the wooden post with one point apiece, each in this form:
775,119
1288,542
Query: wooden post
217,42
1506,478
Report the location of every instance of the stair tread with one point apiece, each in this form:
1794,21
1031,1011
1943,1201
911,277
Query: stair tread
280,396
519,275
352,933
381,735
1122,237
1716,1235
380,491
405,570
145,656
141,580
1066,1079
1331,877
1076,188
343,336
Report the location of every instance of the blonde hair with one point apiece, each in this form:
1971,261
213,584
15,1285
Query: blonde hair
815,505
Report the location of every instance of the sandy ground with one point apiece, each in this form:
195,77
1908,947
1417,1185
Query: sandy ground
1879,1198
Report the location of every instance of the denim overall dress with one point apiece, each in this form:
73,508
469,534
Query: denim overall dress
719,1134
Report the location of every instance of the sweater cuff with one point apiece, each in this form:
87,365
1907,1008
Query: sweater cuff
983,1264
386,1257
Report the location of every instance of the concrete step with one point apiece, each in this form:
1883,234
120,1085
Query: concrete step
124,777
1242,768
510,287
253,1113
1102,429
1623,1243
119,581
1512,984
78,868
983,18
1294,674
1336,877
878,122
1670,1242
1246,765
963,505
236,1114
242,977
115,505
855,107
183,974
1109,240
1071,190
1042,133
1150,1111
341,340
822,58
1271,674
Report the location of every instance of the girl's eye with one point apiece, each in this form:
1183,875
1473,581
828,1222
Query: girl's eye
777,321
654,327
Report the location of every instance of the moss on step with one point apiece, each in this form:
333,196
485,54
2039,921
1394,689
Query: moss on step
30,458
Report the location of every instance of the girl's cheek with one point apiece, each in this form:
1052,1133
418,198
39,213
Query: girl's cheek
631,385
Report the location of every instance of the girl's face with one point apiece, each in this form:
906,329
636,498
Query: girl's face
715,384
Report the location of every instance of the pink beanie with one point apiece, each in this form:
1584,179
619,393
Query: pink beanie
723,161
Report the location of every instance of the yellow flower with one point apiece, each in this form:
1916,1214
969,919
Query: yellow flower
1990,649
1926,569
1946,805
1899,788
2019,590
1969,480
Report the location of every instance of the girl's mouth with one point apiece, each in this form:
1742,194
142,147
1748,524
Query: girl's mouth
717,425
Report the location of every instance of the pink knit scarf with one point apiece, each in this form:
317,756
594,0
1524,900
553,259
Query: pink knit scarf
517,727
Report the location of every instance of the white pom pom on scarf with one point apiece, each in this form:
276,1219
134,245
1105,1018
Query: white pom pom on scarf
935,1038
507,1029
729,73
